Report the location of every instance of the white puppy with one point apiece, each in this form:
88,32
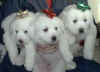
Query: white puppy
79,27
48,42
18,34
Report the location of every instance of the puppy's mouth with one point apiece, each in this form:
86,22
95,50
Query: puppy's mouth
20,45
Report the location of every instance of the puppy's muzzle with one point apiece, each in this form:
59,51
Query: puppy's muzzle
21,41
81,30
54,38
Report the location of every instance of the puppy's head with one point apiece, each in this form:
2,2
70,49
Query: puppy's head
48,30
21,29
76,20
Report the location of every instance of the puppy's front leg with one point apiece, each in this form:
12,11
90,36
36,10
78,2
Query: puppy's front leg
68,57
90,43
89,46
66,53
29,56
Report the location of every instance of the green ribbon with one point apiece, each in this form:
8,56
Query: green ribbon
82,6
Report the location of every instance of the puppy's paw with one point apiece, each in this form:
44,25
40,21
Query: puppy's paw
19,60
88,56
28,67
71,65
12,59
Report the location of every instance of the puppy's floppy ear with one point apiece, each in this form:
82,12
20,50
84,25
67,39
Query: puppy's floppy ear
63,15
92,26
7,21
11,30
62,28
91,18
31,31
60,23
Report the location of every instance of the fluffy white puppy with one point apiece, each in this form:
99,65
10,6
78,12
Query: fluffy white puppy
48,43
79,27
18,34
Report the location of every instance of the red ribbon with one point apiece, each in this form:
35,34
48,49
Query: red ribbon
49,2
49,11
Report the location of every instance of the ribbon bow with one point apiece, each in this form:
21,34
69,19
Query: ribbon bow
22,14
82,6
49,11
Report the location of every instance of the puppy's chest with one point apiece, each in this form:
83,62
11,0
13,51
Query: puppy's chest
50,53
77,46
79,40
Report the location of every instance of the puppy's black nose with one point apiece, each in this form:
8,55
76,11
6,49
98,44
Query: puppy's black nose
54,38
20,41
81,30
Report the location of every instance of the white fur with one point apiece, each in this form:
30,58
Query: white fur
14,29
73,36
58,59
2,52
55,59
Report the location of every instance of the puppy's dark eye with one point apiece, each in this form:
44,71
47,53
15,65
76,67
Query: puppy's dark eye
75,21
45,30
16,31
85,20
25,31
56,28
